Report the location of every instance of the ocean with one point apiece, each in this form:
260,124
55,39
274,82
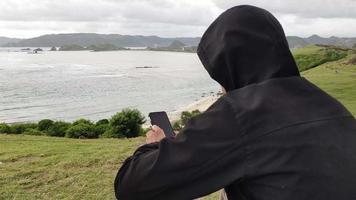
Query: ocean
68,85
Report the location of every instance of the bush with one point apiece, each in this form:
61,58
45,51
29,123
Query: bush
308,61
81,130
110,133
32,131
58,129
127,123
82,121
21,127
101,129
44,124
102,121
4,128
184,118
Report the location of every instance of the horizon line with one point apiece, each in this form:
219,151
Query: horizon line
22,38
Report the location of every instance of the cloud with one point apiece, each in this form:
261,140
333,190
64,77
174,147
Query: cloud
155,17
301,8
306,17
168,18
184,12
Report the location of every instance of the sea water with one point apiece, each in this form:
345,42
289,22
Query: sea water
67,85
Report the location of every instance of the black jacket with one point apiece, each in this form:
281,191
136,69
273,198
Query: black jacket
274,135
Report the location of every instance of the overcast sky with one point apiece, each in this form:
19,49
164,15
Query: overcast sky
167,18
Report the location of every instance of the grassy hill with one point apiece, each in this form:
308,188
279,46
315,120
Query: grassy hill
315,55
40,167
337,78
37,167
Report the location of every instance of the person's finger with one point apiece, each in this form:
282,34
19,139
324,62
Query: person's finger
150,134
156,128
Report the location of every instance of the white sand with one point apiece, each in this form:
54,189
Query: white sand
200,105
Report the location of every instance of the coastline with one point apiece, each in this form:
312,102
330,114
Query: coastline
201,105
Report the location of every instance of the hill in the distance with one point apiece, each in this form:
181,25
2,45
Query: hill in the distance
295,41
6,40
87,39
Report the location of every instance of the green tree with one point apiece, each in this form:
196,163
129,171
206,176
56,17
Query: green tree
4,128
81,130
82,121
33,131
102,121
127,123
44,124
184,118
21,127
58,129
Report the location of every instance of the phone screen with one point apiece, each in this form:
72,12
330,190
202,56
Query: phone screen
161,119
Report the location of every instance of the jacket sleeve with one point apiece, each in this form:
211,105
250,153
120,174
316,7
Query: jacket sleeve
205,156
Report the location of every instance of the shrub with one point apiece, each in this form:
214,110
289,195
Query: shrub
58,129
44,124
21,127
32,131
101,129
81,130
82,121
177,125
308,61
184,118
110,133
102,121
4,128
126,123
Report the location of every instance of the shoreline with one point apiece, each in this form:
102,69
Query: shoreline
201,105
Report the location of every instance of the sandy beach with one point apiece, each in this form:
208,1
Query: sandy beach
201,105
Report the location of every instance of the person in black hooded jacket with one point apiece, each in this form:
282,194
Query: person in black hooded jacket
273,135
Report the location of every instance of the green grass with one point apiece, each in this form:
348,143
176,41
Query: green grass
39,167
337,78
313,55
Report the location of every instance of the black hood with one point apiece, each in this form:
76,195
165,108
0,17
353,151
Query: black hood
246,45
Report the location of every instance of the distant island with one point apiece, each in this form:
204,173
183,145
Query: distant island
151,42
87,39
174,46
98,47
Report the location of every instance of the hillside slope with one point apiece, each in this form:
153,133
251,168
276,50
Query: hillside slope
39,167
86,39
338,78
6,40
315,55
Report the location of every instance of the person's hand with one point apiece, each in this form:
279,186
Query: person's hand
156,134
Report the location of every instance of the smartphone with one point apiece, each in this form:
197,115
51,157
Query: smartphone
161,119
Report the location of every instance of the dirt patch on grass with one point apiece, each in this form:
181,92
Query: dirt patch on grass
26,158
